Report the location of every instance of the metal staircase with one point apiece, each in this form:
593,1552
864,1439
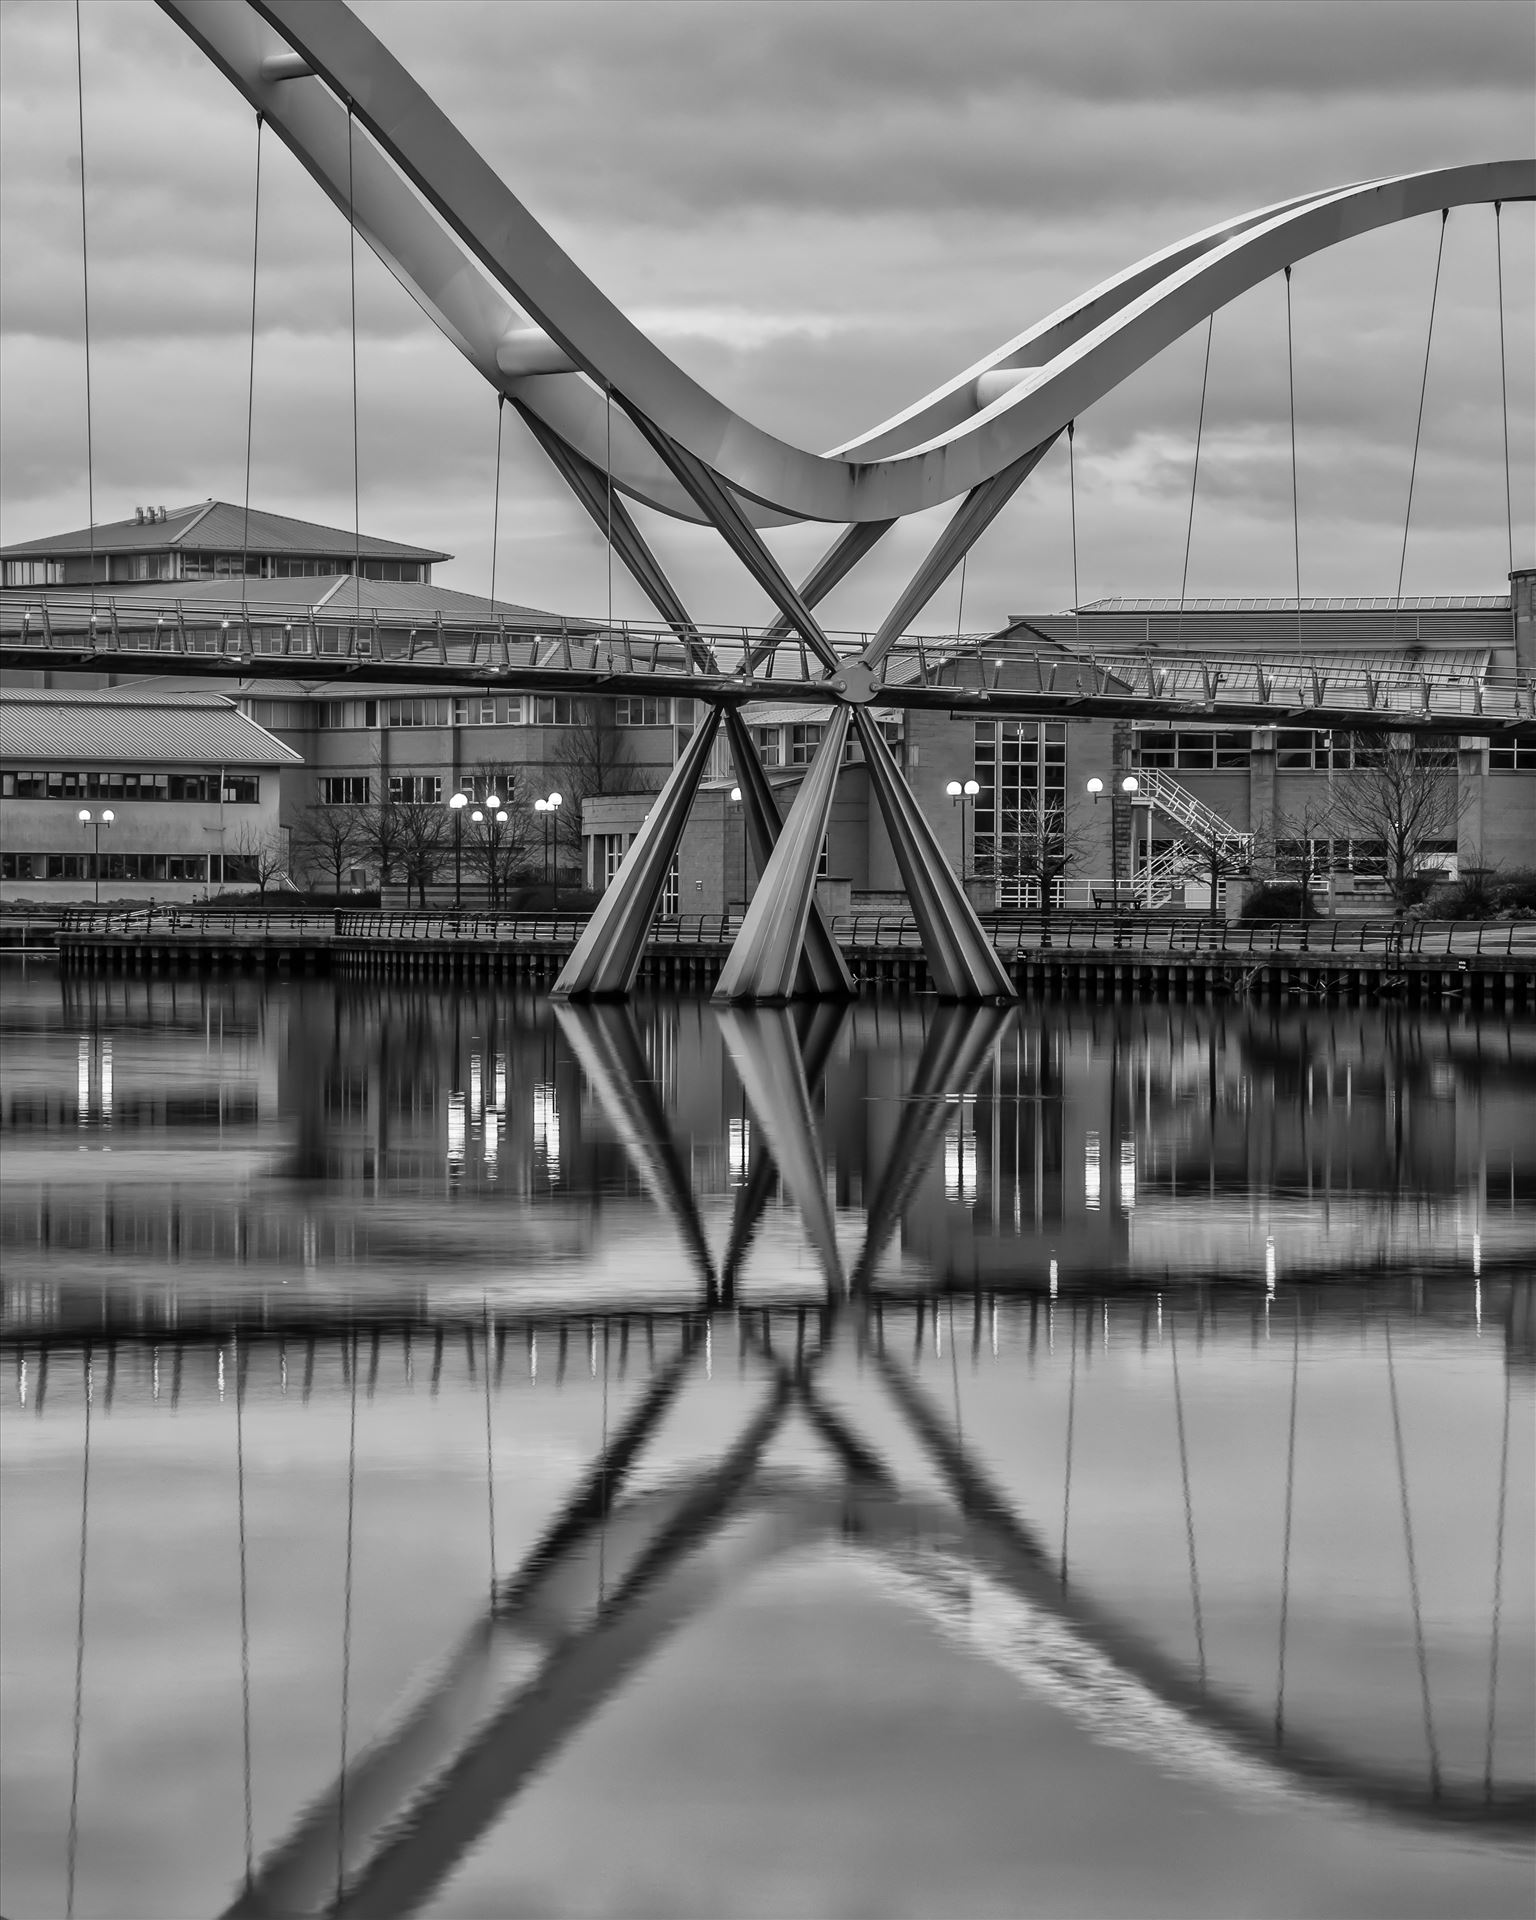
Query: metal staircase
1203,834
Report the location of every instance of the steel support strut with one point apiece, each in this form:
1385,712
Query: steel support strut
823,971
962,960
607,956
765,961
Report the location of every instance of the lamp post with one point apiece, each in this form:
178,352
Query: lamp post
1095,790
549,807
1130,786
88,819
963,797
458,802
494,817
736,802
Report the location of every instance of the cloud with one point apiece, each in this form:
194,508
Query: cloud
821,212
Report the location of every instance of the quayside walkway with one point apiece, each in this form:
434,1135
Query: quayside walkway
1098,955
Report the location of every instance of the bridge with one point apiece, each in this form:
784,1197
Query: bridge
621,421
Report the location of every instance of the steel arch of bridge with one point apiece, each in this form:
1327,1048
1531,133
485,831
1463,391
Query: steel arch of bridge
576,368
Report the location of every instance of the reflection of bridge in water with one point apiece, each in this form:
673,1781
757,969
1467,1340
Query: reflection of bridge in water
625,1563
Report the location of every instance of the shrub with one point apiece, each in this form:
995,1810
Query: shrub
1485,895
1277,900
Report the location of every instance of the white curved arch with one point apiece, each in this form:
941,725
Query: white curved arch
935,450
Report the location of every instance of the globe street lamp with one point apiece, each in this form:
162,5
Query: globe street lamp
458,802
963,797
88,819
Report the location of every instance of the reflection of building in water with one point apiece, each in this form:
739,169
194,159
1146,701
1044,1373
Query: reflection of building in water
320,1127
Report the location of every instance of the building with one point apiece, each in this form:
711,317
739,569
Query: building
139,796
1260,796
214,540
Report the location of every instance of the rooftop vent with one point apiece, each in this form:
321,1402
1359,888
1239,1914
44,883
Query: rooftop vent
138,516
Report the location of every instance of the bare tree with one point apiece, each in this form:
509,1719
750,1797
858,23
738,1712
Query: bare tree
422,838
594,757
381,839
1035,841
1400,795
502,855
1288,847
330,841
254,856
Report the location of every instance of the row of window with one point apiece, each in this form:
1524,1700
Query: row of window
1348,856
795,745
1512,756
116,783
1191,751
479,710
199,868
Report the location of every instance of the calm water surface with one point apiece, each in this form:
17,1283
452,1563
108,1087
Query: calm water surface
466,1457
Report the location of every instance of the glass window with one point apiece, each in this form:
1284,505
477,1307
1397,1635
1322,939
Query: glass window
344,790
770,745
803,742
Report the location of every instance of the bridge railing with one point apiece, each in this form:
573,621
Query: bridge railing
257,636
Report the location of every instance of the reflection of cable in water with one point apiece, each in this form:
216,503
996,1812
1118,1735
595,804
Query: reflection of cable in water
1189,1511
74,1770
346,1631
1066,1498
1413,1570
1285,1550
245,1636
1498,1593
490,1479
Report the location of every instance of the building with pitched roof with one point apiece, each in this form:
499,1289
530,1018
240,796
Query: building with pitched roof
214,540
127,794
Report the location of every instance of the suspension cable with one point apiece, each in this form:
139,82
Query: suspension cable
1285,1550
1189,1511
1290,372
250,390
608,466
357,511
490,1474
1189,532
1072,497
1066,1499
1413,1572
1445,214
1498,1596
960,610
74,1769
85,283
1509,511
346,1631
245,1635
501,407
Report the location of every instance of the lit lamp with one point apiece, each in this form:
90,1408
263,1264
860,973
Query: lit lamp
736,802
963,797
95,823
458,802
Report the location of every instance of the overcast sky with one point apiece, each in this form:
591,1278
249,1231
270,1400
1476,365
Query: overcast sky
822,211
